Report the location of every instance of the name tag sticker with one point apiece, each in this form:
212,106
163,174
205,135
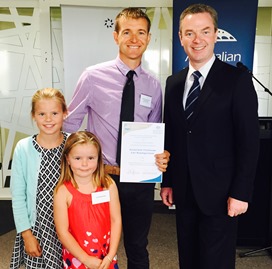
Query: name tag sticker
145,100
100,197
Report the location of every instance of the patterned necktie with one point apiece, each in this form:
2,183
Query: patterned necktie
192,95
127,109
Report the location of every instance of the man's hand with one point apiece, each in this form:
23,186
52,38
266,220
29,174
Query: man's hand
167,196
162,160
236,207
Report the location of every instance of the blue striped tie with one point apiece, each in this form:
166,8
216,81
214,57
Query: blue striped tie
192,95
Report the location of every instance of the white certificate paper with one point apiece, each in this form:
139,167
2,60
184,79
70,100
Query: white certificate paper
140,142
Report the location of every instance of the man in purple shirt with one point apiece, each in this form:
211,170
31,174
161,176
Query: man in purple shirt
99,94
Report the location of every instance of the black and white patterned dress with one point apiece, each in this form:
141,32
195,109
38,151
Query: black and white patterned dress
44,228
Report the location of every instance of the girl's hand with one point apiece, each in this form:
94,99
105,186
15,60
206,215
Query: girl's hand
105,263
32,246
93,262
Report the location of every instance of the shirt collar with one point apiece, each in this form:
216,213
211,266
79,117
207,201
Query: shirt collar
124,69
204,70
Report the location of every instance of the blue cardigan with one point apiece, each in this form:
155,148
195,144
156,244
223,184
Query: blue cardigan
24,177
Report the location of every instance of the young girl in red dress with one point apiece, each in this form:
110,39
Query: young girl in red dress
86,206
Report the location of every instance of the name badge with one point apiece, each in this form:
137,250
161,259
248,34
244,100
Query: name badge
100,197
145,100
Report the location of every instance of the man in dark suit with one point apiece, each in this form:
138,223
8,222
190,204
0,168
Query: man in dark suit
214,148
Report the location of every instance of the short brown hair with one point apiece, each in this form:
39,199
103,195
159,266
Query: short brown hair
133,13
200,8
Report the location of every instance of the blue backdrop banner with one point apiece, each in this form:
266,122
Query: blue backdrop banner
236,31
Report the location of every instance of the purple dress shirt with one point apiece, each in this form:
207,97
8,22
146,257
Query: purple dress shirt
99,92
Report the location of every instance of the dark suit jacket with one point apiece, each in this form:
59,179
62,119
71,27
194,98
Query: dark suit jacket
219,147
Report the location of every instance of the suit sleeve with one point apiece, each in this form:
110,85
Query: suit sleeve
246,126
167,182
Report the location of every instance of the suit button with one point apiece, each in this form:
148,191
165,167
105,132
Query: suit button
189,132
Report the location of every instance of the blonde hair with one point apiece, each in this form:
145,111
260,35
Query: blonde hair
47,93
80,138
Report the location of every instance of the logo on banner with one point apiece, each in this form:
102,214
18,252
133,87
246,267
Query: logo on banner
224,36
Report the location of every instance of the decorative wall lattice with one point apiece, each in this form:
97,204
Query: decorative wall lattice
20,76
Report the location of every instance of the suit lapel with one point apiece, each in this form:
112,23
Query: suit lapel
179,90
206,90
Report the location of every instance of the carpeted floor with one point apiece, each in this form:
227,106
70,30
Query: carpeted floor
162,248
